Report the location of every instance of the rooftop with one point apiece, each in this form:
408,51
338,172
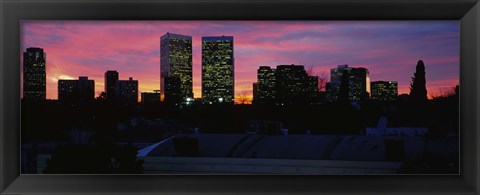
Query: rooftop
313,147
214,38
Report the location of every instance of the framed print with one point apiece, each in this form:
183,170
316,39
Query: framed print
211,96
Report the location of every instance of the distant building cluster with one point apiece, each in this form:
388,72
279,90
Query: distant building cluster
290,84
76,91
358,80
83,90
283,85
287,84
358,85
176,80
120,91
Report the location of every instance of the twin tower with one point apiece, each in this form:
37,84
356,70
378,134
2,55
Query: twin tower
176,69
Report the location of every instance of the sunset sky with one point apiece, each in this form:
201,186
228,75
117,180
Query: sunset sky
389,49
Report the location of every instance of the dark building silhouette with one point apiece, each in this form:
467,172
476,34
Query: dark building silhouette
173,89
418,89
403,98
294,85
151,97
312,89
111,78
217,69
332,88
331,91
287,84
127,91
79,91
344,89
386,91
358,83
255,92
34,74
176,61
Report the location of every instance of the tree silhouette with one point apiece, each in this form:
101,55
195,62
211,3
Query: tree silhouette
322,81
102,96
322,78
418,89
242,97
444,92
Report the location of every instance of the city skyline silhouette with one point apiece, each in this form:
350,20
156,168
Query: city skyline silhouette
436,42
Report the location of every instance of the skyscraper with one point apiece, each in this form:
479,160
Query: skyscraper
358,83
76,91
217,69
34,74
127,91
111,78
176,62
332,88
386,91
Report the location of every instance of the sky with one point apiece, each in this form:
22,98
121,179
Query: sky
388,49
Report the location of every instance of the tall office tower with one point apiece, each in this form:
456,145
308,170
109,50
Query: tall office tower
358,83
111,78
176,61
217,69
266,85
34,74
332,88
76,91
386,91
127,91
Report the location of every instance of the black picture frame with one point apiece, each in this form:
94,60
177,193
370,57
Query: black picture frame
13,11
